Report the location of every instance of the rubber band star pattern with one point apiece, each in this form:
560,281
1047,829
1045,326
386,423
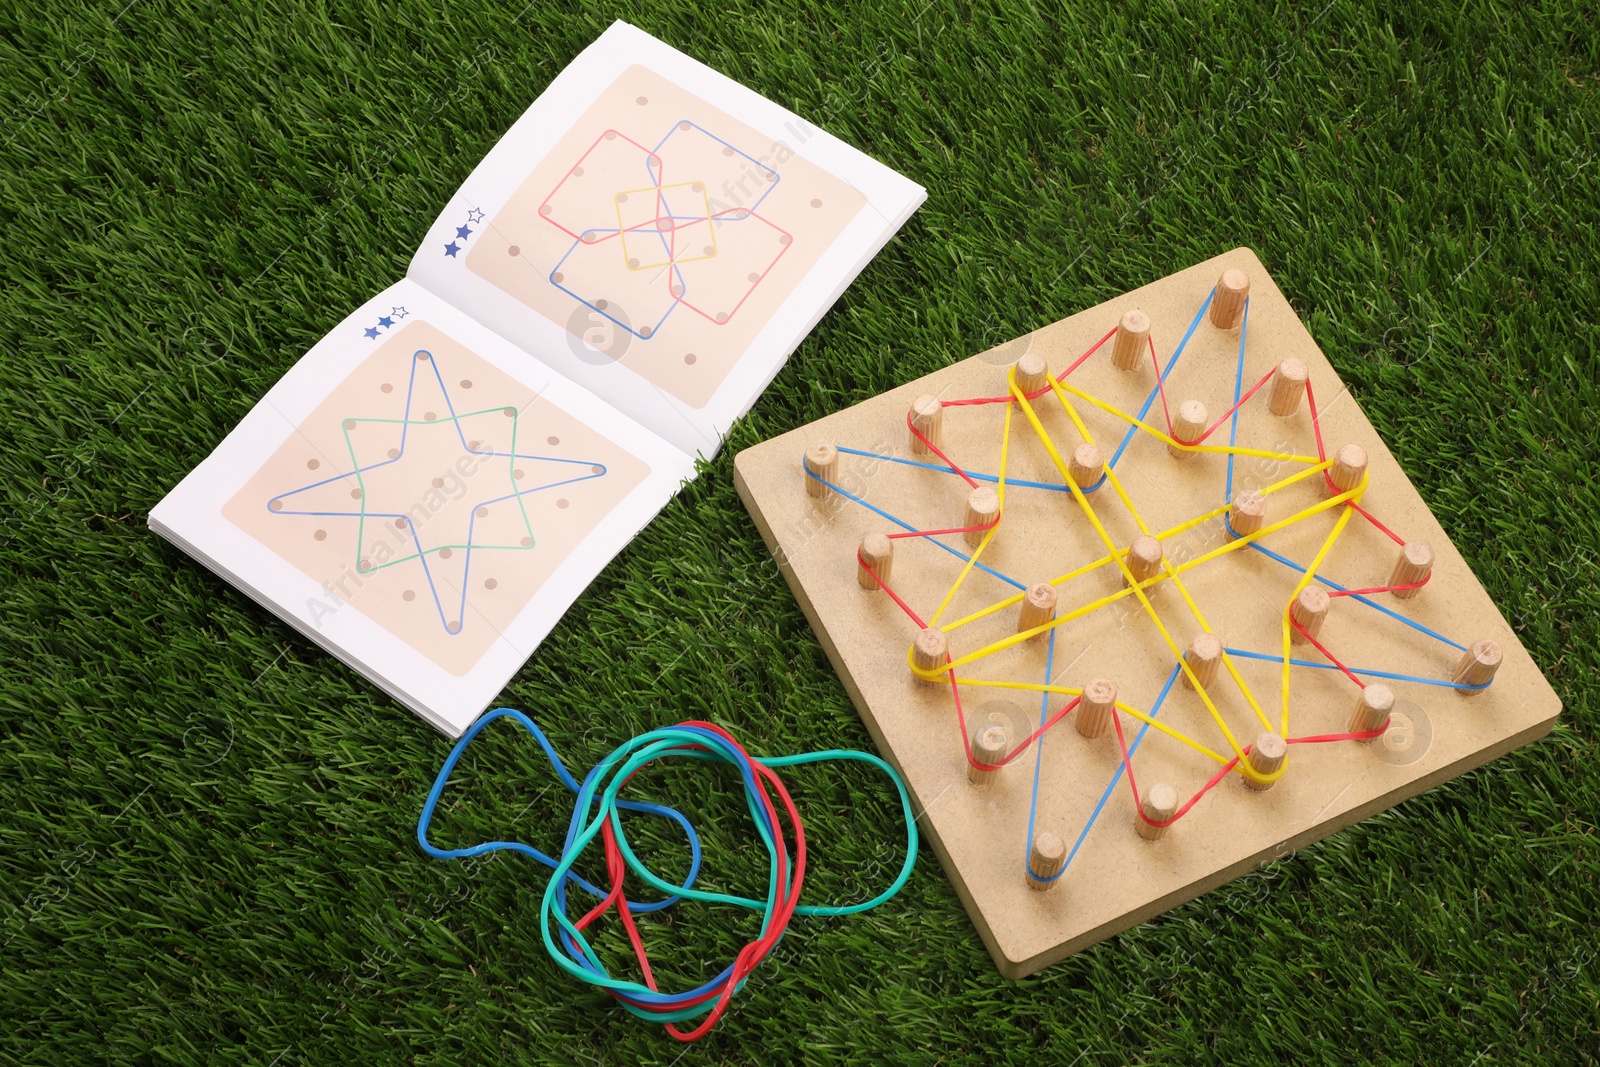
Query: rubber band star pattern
674,226
407,507
1207,667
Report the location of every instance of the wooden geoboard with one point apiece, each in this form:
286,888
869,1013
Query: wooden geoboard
1075,787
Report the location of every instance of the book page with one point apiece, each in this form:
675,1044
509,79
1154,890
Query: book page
423,500
661,235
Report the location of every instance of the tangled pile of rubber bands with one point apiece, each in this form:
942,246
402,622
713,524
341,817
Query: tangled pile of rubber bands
597,813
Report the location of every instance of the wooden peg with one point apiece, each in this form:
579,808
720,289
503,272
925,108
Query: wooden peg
1187,427
1310,610
983,508
1266,756
927,416
1415,564
876,557
1128,347
1348,467
1288,386
1477,666
1204,657
1144,559
1246,513
1093,714
1159,803
929,652
989,745
1372,710
821,460
1045,862
1087,465
1037,608
1032,373
1227,306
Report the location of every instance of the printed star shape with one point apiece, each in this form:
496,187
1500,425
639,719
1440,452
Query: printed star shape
399,313
474,215
371,331
399,521
386,322
463,232
451,249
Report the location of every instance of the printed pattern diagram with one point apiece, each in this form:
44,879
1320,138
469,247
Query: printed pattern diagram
658,229
426,493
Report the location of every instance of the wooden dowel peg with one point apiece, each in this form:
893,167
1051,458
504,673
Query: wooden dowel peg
1372,710
1032,373
1204,657
1477,666
1037,608
1129,345
1287,387
1266,756
875,557
1310,610
1348,466
1087,466
821,460
929,652
1246,513
1227,306
1187,427
989,745
983,508
1093,714
1049,855
1144,559
927,415
1160,803
1414,564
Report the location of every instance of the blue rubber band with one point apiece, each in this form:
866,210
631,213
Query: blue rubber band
1171,363
1238,391
907,526
1358,670
567,780
1155,709
1038,748
971,474
1264,550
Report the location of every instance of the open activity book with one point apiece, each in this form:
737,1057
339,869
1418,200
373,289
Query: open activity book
430,487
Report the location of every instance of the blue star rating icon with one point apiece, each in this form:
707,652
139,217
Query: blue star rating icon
385,322
463,232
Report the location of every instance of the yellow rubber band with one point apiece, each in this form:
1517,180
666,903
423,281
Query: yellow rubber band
1169,572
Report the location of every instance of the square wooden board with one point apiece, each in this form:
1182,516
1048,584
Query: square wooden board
1116,879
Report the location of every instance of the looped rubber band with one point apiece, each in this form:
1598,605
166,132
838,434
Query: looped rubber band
597,814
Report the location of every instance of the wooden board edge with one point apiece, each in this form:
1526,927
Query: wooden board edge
924,824
1017,969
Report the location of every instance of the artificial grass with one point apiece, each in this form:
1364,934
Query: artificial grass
207,852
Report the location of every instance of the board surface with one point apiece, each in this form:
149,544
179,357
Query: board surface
1074,786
